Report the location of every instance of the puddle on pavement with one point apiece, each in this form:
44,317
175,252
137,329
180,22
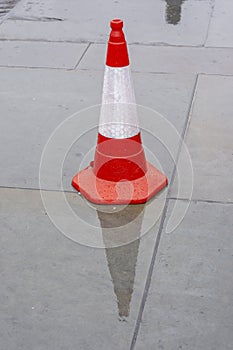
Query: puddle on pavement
173,11
6,6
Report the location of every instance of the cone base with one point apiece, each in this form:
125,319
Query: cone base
138,191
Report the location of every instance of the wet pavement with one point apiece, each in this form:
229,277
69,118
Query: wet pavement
116,277
59,294
6,6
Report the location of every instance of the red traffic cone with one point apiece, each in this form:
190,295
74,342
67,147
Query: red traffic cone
119,173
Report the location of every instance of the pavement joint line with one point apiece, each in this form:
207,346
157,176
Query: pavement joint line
219,47
158,45
162,73
217,74
31,67
83,54
137,71
192,200
185,130
164,213
184,73
35,189
95,70
209,22
149,276
48,41
101,43
149,72
163,44
100,70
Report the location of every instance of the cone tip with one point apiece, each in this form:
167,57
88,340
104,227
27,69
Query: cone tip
116,24
117,55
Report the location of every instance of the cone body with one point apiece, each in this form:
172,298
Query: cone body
119,173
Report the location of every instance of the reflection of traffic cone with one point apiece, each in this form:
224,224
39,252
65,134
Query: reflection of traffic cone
122,259
120,173
122,265
173,11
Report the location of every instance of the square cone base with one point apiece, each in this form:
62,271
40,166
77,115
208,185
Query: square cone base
101,191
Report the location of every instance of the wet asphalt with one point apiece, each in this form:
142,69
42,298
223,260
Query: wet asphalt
75,275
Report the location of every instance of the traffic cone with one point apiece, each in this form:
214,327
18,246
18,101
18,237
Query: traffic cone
119,173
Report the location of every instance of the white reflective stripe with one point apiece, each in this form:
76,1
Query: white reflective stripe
118,116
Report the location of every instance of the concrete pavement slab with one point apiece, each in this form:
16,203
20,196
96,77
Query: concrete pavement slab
182,23
40,54
166,59
189,305
221,25
57,294
191,60
35,102
209,140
